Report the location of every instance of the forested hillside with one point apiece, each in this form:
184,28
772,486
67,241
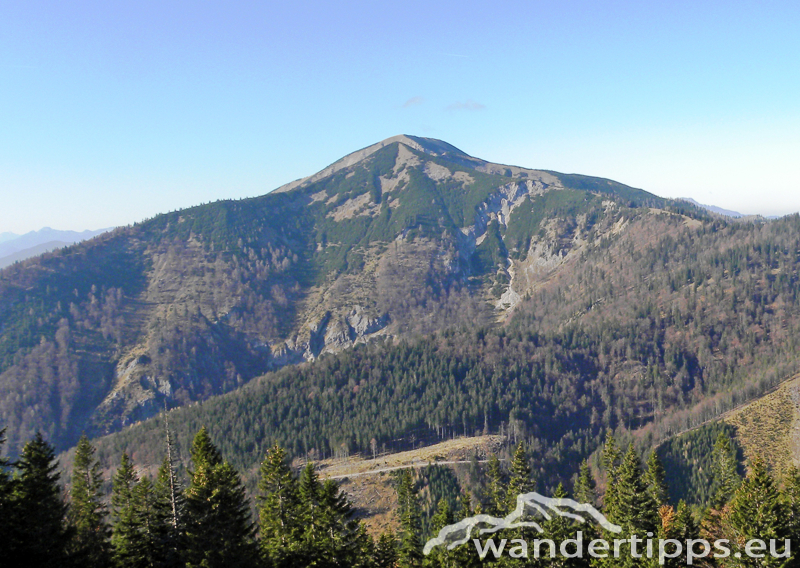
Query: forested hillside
406,237
658,330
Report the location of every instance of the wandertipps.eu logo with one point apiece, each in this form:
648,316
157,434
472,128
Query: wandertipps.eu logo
532,505
528,505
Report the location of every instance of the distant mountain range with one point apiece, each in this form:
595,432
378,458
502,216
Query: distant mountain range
14,247
714,209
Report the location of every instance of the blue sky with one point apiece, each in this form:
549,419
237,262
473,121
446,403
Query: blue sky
112,112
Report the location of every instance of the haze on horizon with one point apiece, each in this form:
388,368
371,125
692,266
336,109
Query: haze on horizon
110,114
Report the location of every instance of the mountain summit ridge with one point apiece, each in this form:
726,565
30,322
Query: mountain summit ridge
428,145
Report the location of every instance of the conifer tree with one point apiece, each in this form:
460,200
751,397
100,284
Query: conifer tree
142,531
585,486
757,512
386,551
558,529
40,534
495,490
154,522
309,490
340,541
586,492
628,504
219,531
90,544
279,511
520,477
724,470
364,545
519,482
442,517
611,458
466,556
125,528
633,507
410,548
167,484
465,505
676,524
656,480
791,500
440,556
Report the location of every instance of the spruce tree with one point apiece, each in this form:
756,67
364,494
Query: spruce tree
465,505
585,486
410,549
153,519
496,505
611,459
125,529
676,524
629,504
520,481
219,531
90,543
386,551
465,555
791,500
279,511
633,507
586,492
656,480
342,542
40,531
364,545
559,528
309,491
724,470
757,511
440,556
442,517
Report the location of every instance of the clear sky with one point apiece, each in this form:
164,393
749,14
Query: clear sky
111,112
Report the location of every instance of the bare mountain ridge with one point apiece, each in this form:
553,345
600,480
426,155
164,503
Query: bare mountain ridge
406,236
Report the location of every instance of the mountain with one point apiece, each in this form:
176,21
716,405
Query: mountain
14,248
663,325
714,208
31,252
407,294
404,237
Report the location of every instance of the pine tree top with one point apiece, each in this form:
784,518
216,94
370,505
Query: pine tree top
203,451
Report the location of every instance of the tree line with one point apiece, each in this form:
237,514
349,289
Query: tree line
305,521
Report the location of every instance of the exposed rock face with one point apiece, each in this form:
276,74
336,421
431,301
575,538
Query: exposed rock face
362,325
329,335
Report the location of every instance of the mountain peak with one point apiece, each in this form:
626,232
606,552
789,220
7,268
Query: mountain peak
430,146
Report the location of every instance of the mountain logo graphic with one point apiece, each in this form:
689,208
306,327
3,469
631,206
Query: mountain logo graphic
528,504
